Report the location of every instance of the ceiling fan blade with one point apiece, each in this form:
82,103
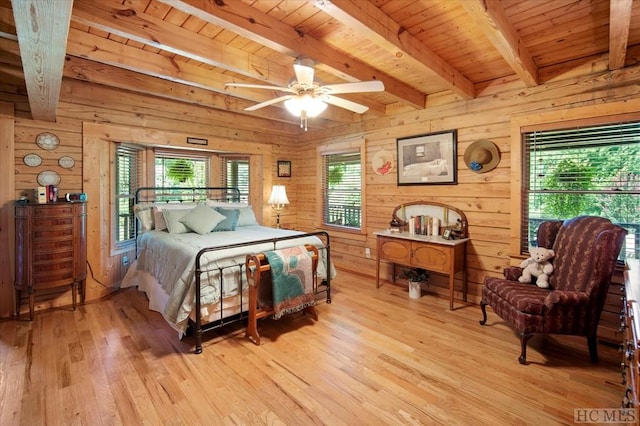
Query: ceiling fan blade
267,103
343,103
358,87
259,86
304,74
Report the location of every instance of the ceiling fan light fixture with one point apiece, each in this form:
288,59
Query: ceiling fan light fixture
314,106
305,106
294,106
311,105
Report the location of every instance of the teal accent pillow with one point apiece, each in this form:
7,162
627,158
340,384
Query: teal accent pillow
231,221
201,219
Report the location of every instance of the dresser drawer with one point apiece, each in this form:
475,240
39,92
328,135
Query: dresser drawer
47,246
52,222
394,250
435,258
52,256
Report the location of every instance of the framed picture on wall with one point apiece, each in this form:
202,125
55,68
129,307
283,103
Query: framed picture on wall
284,168
427,159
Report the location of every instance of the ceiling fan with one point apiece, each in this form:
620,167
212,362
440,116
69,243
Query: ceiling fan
307,98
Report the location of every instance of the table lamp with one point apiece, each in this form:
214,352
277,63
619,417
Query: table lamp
278,200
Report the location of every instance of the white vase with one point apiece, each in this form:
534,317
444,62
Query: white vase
415,290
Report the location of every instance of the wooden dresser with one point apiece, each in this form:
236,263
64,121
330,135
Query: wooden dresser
631,331
51,249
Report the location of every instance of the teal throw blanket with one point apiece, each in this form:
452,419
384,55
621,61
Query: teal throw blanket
292,279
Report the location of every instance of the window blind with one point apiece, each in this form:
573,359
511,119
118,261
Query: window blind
591,170
235,173
176,169
128,180
342,186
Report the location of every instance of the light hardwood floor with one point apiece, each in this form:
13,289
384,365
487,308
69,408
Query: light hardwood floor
374,357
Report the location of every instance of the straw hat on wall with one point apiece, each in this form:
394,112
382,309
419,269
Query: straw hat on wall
482,156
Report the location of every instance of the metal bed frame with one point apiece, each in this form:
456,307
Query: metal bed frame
229,195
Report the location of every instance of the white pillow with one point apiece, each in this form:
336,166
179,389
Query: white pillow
247,217
144,213
202,219
216,203
158,217
172,218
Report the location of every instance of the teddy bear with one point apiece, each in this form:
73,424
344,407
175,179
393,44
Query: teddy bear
537,265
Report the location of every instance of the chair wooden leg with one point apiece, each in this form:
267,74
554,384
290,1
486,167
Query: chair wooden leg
524,338
483,306
592,342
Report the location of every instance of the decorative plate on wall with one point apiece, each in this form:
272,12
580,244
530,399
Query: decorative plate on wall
48,177
382,162
47,141
32,160
66,162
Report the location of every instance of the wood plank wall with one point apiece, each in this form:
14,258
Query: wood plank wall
485,198
89,103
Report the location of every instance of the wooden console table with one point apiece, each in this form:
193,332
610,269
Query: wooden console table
432,253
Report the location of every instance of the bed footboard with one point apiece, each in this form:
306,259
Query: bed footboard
260,298
318,287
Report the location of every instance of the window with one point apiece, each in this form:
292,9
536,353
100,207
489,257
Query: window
342,189
576,171
235,173
128,179
176,170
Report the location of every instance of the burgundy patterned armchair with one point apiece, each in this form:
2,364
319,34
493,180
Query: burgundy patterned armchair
586,251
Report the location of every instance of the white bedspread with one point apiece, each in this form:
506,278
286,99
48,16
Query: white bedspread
170,258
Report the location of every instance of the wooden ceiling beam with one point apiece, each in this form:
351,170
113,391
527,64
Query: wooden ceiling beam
109,52
619,23
254,25
42,28
94,72
374,24
492,20
111,16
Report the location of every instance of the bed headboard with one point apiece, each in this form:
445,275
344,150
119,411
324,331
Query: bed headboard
184,195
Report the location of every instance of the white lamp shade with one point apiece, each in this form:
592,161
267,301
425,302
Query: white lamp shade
278,196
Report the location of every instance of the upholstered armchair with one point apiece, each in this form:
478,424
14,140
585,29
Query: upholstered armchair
586,251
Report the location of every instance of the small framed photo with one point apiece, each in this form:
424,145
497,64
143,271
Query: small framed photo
427,159
447,234
284,168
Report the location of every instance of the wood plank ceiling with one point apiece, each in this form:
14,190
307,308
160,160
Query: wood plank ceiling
419,49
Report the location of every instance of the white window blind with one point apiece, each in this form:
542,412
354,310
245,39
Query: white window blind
176,170
128,178
235,174
591,170
342,189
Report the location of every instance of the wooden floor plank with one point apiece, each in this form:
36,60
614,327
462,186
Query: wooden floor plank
373,357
